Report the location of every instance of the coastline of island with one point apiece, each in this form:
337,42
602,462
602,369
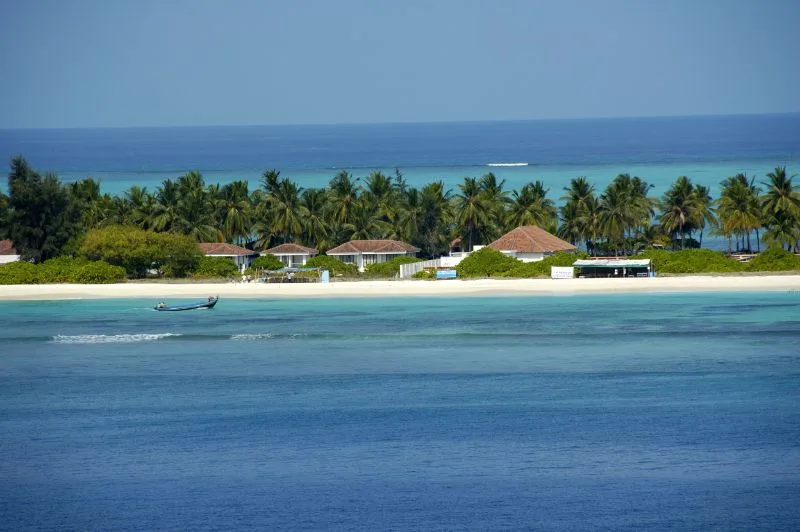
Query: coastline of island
406,288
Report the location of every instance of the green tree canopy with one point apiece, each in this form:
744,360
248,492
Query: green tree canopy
138,250
41,214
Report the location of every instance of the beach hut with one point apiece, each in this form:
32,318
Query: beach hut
614,267
7,252
243,257
362,253
530,243
292,255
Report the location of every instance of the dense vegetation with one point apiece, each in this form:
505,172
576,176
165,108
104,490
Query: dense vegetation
333,265
490,263
215,267
139,251
46,219
388,269
267,262
61,270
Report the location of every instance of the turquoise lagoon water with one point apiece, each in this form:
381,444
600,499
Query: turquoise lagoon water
624,412
706,148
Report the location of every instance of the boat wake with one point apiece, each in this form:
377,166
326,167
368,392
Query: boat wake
109,338
507,164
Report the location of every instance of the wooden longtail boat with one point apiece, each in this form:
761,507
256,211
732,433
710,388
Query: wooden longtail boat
202,304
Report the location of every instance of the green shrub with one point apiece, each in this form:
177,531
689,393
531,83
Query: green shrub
333,265
59,269
424,274
138,251
390,268
485,262
210,267
97,272
267,262
542,268
774,260
690,261
20,272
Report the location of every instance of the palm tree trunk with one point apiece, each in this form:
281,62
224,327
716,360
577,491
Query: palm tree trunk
470,237
758,242
682,236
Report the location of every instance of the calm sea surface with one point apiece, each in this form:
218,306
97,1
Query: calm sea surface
707,149
634,412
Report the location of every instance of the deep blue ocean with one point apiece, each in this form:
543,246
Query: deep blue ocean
707,149
602,412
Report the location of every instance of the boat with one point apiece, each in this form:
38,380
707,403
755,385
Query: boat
202,304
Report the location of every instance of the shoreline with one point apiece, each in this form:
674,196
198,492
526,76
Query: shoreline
405,288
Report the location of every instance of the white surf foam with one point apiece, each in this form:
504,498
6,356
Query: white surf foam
109,338
507,164
253,336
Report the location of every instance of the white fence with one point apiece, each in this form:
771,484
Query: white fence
448,261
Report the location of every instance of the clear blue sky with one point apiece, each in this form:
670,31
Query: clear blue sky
92,63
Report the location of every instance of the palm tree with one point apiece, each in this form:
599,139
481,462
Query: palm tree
471,207
408,220
705,209
165,211
142,206
435,218
781,207
380,191
316,231
191,182
530,206
781,194
286,211
570,228
643,206
234,211
195,213
614,216
269,180
579,213
625,209
343,194
739,209
496,199
782,231
365,222
679,209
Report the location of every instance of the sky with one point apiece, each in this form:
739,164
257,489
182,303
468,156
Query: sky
123,63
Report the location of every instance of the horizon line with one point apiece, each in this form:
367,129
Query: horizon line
404,122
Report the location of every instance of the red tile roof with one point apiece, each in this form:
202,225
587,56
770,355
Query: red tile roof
373,246
7,248
221,248
291,249
530,239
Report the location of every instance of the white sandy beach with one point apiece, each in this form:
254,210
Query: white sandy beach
166,291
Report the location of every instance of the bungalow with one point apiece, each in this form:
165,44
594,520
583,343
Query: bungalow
530,243
292,255
362,253
243,257
7,252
